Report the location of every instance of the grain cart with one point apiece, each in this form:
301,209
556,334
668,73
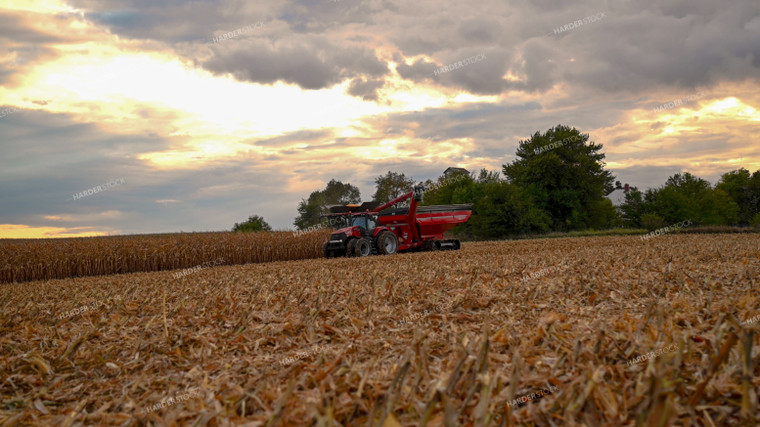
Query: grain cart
384,230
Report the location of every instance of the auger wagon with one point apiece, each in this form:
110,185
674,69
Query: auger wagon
384,230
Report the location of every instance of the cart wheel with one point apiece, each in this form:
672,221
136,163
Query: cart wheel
387,244
350,247
363,247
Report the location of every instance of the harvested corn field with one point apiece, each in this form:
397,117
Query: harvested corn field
41,259
584,331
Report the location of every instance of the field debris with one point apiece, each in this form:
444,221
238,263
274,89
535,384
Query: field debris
652,354
483,353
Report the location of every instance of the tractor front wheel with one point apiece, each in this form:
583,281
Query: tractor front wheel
363,247
387,243
328,253
351,247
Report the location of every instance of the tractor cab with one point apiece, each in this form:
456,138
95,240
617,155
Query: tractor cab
354,225
360,236
366,222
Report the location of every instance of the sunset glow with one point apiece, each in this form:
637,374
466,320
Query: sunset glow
257,122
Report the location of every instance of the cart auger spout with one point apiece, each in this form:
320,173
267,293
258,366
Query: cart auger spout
384,230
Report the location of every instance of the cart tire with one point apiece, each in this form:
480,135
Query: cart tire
350,247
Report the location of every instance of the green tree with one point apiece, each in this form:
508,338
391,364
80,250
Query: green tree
603,214
683,197
254,223
635,206
651,221
500,209
453,189
335,193
744,189
392,185
687,197
338,193
565,174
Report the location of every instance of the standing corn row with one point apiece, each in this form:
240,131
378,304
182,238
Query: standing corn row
42,259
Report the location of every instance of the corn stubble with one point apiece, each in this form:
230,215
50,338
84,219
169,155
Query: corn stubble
24,260
330,342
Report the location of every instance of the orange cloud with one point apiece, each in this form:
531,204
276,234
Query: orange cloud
21,231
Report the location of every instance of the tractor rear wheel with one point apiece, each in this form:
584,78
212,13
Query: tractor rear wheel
350,247
363,247
387,243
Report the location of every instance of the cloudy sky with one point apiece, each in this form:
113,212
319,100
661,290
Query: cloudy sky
190,130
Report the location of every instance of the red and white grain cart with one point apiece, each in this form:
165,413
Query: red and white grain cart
385,230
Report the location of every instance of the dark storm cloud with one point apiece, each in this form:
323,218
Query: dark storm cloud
479,121
171,21
310,62
5,73
302,55
25,44
365,89
14,31
174,21
418,71
481,30
482,75
636,46
298,136
47,158
688,46
318,16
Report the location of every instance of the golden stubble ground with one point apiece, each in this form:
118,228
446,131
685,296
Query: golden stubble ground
542,332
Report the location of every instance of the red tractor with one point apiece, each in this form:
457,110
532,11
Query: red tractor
385,231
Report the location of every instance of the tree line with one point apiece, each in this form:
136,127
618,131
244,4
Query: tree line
558,182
